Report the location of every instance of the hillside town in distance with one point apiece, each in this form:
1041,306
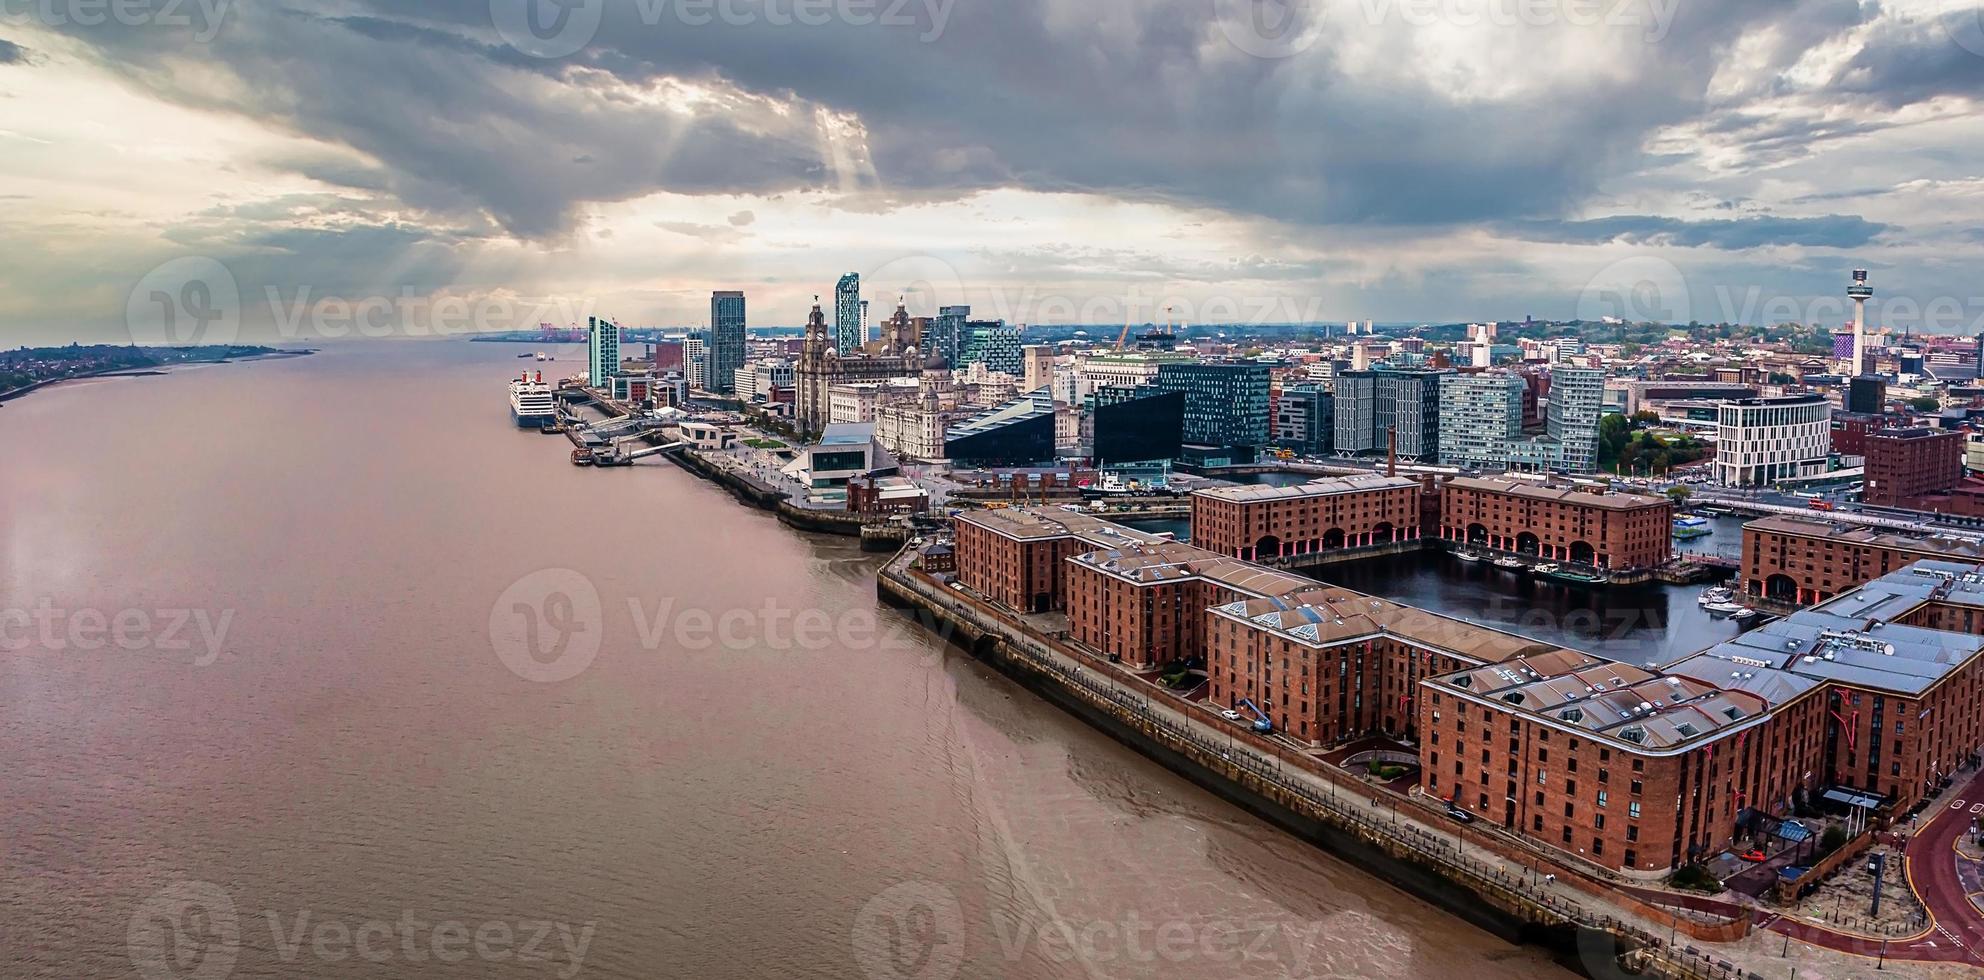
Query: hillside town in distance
1161,509
24,369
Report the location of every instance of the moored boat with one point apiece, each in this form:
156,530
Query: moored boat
1586,576
531,402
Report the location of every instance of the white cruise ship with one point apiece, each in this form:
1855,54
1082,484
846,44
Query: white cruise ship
531,401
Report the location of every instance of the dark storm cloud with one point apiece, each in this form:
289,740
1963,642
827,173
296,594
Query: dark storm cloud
1828,231
11,53
1133,99
1911,61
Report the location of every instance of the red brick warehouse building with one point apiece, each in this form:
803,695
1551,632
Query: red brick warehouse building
1795,559
1145,604
1588,526
1906,464
1263,522
1873,698
1019,557
1329,664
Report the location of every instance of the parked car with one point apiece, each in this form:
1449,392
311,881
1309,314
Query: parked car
1459,814
1230,715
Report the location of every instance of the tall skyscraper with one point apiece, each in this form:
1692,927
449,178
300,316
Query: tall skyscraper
1577,401
867,329
847,314
726,353
602,352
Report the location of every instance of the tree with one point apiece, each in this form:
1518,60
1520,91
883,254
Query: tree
1924,403
1613,433
1832,840
1679,493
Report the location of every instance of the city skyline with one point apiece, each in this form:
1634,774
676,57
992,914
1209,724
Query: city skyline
1703,166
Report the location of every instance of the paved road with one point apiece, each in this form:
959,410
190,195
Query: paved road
1934,870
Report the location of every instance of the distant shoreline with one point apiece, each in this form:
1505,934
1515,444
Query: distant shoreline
142,372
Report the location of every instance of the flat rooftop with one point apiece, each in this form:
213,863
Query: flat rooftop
1609,499
1322,615
1324,487
1044,523
1153,563
1850,639
1648,711
1860,534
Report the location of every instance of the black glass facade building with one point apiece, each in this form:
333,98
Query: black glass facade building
1144,424
1226,407
1018,433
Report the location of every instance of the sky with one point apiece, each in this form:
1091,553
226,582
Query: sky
312,169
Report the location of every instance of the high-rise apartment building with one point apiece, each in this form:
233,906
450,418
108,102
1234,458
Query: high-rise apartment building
1371,405
602,352
726,353
947,333
1480,418
1577,400
847,314
696,361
